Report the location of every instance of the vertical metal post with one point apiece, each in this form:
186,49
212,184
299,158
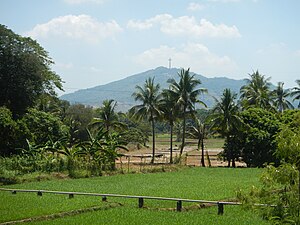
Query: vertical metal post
179,206
141,202
220,208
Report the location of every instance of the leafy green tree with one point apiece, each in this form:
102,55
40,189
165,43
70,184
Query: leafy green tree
296,93
149,97
134,136
25,72
77,117
288,147
279,190
43,126
281,102
8,132
259,139
186,93
256,92
225,119
108,118
170,113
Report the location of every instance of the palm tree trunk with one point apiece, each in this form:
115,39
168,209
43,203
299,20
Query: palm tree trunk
153,141
229,156
202,152
171,144
183,132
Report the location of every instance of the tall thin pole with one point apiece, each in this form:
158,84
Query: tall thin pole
170,60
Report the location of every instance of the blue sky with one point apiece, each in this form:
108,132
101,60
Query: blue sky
94,42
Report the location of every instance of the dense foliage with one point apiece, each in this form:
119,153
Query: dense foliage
25,72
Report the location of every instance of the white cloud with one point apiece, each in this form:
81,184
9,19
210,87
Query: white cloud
194,55
195,6
77,2
186,26
82,27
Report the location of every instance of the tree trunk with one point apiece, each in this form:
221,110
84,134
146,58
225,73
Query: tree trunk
229,156
153,141
202,152
171,144
183,132
233,162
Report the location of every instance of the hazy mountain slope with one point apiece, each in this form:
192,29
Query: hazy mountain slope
122,90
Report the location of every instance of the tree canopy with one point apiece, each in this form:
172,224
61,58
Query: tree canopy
25,72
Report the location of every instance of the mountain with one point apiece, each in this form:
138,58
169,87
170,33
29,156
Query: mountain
122,90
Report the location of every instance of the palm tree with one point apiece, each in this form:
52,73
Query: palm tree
197,131
149,97
280,95
185,92
256,92
296,93
170,112
107,116
225,117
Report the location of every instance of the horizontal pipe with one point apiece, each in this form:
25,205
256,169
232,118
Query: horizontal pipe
128,196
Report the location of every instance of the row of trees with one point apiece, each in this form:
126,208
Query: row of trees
42,116
230,117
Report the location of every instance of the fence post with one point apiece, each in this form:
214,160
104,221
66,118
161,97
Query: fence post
141,202
104,198
179,206
71,195
39,193
220,208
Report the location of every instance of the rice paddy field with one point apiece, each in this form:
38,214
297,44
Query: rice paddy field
191,183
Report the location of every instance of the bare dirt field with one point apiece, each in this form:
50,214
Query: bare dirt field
191,157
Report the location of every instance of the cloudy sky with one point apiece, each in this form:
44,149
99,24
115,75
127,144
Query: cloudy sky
94,42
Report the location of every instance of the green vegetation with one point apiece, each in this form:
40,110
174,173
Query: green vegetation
41,134
129,216
220,184
149,97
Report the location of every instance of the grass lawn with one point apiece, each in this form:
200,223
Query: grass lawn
193,183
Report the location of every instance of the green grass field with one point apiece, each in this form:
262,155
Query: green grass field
193,183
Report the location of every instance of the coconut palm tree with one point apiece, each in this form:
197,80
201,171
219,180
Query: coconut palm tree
107,116
225,117
170,112
296,92
186,93
280,101
256,92
198,131
149,97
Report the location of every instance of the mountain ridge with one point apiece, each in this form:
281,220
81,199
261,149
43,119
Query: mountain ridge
121,90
